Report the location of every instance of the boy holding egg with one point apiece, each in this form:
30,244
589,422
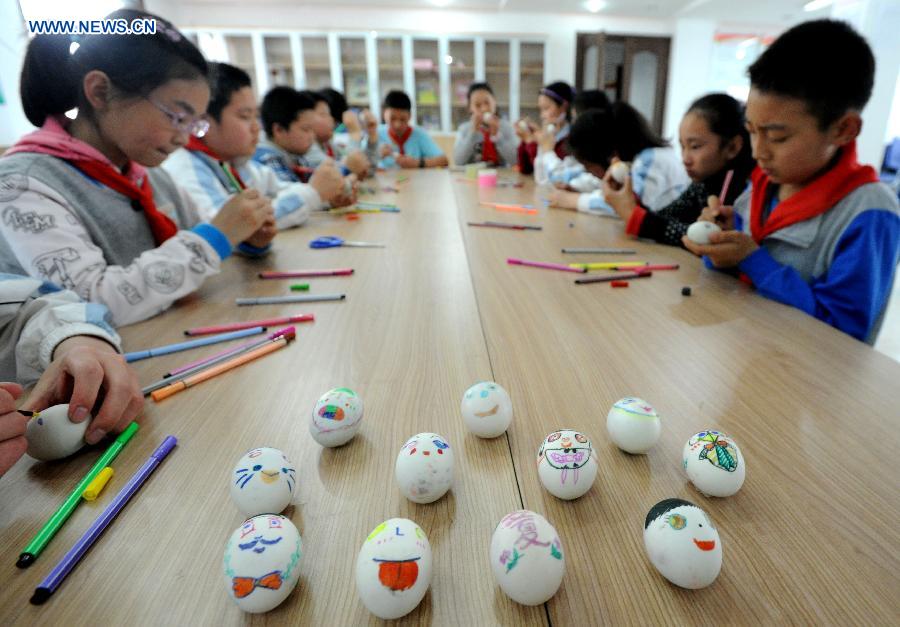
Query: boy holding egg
816,230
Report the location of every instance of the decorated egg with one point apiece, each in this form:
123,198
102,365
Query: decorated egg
393,569
51,435
714,464
683,544
424,468
262,562
263,482
527,557
699,232
619,171
633,425
486,409
567,464
336,417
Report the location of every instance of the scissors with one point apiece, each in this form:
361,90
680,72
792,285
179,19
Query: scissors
329,241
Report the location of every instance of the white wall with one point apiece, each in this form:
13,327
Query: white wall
559,30
13,41
690,55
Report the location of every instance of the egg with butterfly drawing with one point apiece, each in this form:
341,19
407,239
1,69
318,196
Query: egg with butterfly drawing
393,568
262,562
424,468
337,417
567,464
263,482
51,435
682,543
714,463
486,409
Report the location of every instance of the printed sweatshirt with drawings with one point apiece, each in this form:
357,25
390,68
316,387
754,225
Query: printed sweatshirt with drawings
35,316
59,225
203,179
657,178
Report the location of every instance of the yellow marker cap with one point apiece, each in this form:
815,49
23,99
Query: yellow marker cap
96,486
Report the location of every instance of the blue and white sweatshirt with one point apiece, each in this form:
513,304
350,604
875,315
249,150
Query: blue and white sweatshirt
657,177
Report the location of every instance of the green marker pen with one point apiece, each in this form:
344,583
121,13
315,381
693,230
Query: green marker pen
30,553
300,287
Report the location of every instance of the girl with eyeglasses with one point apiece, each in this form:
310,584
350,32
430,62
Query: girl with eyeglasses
81,200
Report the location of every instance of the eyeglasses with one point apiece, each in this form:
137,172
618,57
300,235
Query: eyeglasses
184,122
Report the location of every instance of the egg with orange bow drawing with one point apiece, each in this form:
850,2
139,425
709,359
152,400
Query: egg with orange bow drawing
567,464
683,544
263,482
262,562
337,417
486,409
393,568
424,468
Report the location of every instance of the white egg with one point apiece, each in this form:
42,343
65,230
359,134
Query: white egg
263,482
683,544
487,116
619,171
699,232
424,468
486,409
527,558
551,129
523,125
336,417
633,425
393,569
51,435
567,464
714,464
262,562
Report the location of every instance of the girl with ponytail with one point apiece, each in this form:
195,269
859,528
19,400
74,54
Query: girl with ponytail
81,200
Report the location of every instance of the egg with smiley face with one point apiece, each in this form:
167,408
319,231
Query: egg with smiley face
393,568
424,468
486,409
263,482
683,544
567,464
262,562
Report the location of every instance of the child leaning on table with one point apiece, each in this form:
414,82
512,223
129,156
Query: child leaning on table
815,230
79,205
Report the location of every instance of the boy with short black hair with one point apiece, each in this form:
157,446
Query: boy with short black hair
402,145
816,230
213,168
288,118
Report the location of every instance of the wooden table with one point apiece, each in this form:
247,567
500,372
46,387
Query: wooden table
811,537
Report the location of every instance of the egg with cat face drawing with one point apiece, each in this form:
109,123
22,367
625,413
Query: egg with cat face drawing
263,482
486,409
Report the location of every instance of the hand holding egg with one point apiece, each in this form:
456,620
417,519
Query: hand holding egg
51,435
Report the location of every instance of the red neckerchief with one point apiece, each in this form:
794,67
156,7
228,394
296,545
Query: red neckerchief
814,199
160,224
488,149
400,140
195,145
329,150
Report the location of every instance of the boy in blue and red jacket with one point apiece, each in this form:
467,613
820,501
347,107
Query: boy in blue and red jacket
815,229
